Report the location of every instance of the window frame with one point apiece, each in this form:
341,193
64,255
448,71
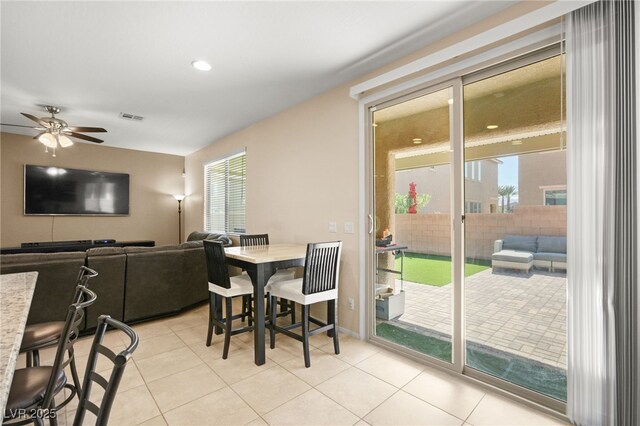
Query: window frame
228,228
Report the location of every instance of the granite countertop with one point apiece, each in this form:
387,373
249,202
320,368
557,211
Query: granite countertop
16,292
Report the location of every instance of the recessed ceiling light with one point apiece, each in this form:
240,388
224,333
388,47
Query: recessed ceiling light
201,65
492,126
516,142
417,141
375,124
450,101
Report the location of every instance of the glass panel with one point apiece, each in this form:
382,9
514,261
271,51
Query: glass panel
412,181
515,227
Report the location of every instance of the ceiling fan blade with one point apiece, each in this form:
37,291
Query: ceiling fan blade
86,129
18,125
36,119
85,137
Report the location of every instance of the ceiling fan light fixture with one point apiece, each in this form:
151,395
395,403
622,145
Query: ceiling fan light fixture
48,140
201,65
64,141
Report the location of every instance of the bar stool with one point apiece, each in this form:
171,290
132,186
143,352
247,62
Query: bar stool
33,389
318,284
221,284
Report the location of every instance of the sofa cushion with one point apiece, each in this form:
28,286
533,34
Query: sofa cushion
37,258
197,236
552,244
191,245
519,243
169,247
105,251
550,257
513,256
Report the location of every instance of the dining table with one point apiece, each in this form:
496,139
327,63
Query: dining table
16,293
261,262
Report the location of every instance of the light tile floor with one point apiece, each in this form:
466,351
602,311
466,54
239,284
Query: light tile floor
174,379
514,312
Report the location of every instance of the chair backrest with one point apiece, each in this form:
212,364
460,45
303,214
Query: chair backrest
70,332
217,269
111,385
248,240
321,267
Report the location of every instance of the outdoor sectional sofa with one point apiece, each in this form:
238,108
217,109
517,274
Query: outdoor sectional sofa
524,252
133,283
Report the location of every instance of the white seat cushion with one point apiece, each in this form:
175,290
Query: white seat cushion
282,275
292,290
240,285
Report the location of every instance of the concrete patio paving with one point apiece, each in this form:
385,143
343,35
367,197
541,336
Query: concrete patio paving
517,313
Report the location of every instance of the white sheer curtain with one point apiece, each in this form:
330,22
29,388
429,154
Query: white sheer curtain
601,207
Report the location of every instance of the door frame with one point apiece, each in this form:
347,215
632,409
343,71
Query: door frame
457,204
473,71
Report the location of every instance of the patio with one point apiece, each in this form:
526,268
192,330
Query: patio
516,313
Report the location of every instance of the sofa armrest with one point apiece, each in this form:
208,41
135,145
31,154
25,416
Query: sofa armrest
497,246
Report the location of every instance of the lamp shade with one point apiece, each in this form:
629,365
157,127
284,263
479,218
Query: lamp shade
48,140
64,141
179,197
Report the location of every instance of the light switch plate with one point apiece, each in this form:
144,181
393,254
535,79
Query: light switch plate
333,227
348,227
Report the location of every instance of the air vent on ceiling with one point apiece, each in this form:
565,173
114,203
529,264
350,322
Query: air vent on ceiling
133,117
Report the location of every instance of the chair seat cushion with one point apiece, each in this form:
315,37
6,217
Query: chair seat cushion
513,256
282,275
240,285
550,257
42,334
29,385
292,290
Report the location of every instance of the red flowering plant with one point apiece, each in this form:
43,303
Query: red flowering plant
411,202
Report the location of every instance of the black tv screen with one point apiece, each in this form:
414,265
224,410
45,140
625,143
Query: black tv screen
62,191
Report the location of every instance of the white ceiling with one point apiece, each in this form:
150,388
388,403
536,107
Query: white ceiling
97,59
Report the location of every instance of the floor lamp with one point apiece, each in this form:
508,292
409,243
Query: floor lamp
179,197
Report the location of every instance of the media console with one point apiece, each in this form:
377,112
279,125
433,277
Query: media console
77,245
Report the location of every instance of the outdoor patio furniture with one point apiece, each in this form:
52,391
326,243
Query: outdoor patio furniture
524,252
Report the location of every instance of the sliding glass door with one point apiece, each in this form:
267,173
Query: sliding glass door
515,184
468,242
412,181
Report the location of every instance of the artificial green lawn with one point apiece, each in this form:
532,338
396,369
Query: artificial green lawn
433,270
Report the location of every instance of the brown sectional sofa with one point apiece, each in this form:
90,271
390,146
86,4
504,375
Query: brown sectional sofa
57,274
133,283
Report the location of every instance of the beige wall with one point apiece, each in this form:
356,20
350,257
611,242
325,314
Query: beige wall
153,178
539,170
302,169
302,173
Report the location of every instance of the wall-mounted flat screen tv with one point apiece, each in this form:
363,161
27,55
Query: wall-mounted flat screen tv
63,191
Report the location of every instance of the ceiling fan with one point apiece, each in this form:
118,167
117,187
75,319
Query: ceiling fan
55,131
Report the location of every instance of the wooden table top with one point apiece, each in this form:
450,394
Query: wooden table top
268,253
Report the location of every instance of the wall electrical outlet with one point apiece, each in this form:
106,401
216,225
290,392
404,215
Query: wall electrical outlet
351,304
348,227
333,227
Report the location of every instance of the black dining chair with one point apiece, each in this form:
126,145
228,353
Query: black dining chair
286,307
110,386
46,334
226,287
33,390
319,283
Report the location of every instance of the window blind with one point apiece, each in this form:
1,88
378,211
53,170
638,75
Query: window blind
225,194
